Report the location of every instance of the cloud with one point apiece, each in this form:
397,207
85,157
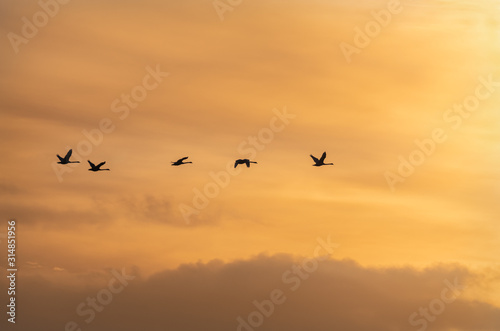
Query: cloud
339,295
149,208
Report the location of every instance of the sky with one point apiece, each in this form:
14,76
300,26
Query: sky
401,233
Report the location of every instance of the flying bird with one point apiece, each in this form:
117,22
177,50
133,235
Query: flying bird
94,167
65,160
243,161
321,161
180,161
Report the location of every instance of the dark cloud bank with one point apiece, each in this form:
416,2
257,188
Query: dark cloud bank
296,293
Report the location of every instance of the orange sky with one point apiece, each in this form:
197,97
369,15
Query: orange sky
216,95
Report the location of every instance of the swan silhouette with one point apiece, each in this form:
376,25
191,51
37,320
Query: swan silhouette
65,160
94,167
321,161
243,161
180,161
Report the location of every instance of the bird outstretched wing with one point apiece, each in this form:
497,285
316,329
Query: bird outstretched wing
101,164
60,158
247,162
323,157
236,163
180,160
68,155
315,159
91,164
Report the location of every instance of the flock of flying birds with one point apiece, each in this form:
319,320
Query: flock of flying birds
65,160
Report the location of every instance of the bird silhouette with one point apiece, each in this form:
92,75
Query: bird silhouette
65,160
321,161
243,161
94,167
180,161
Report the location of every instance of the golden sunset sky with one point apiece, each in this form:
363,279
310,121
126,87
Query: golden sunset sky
403,97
